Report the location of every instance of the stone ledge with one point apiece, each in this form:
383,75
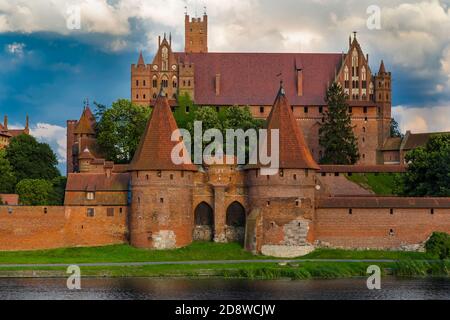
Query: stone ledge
283,251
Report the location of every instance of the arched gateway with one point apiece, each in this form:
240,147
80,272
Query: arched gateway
204,222
235,221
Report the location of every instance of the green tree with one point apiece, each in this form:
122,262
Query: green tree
395,129
237,117
428,172
185,112
336,134
31,159
7,177
34,192
56,197
439,245
119,129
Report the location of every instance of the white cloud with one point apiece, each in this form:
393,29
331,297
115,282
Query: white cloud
15,48
431,119
54,135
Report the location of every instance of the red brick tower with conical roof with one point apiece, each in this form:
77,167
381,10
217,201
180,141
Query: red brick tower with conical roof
283,203
161,214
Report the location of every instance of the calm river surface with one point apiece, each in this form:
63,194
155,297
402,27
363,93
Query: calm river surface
150,288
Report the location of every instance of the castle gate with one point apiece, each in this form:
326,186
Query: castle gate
204,222
235,222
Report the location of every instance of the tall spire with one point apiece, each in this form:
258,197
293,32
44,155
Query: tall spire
382,68
293,150
155,147
141,59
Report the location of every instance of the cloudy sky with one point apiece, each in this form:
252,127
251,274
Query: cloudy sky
47,68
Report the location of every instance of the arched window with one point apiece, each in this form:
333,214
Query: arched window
363,73
174,82
346,75
155,82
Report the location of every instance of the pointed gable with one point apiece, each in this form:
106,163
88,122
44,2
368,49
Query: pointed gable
293,152
141,60
86,123
382,68
155,147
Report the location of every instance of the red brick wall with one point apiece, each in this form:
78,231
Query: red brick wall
370,228
31,228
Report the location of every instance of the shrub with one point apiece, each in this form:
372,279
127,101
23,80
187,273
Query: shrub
439,245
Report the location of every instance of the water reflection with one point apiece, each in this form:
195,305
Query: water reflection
150,288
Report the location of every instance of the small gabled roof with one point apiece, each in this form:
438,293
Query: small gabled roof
155,147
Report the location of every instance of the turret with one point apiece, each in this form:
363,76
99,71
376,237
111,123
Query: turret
162,191
196,34
383,98
293,186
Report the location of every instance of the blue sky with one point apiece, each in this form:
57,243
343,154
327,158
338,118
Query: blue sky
48,70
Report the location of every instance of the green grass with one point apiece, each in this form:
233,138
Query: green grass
367,254
196,251
379,183
126,253
267,271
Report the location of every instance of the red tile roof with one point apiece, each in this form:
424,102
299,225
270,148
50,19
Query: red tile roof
155,147
293,151
382,202
248,78
97,182
86,123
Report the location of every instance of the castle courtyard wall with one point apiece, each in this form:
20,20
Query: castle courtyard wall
378,228
40,227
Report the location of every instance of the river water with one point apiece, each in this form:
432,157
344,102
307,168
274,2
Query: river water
229,289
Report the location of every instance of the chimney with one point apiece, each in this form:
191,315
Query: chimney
300,82
159,41
5,122
217,84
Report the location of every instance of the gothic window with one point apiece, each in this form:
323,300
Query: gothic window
155,82
144,83
137,83
363,73
354,58
346,76
165,59
174,82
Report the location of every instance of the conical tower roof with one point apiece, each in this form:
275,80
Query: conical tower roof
86,123
382,68
155,148
293,151
141,60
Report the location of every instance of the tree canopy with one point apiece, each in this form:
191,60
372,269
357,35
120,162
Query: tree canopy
428,172
31,159
7,176
119,129
34,192
336,133
395,129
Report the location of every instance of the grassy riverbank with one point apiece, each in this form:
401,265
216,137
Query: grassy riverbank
296,271
194,252
406,264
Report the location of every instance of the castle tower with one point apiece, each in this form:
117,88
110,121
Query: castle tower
162,191
196,34
80,135
383,98
283,202
140,82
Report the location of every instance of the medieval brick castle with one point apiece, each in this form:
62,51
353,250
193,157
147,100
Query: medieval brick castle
156,204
